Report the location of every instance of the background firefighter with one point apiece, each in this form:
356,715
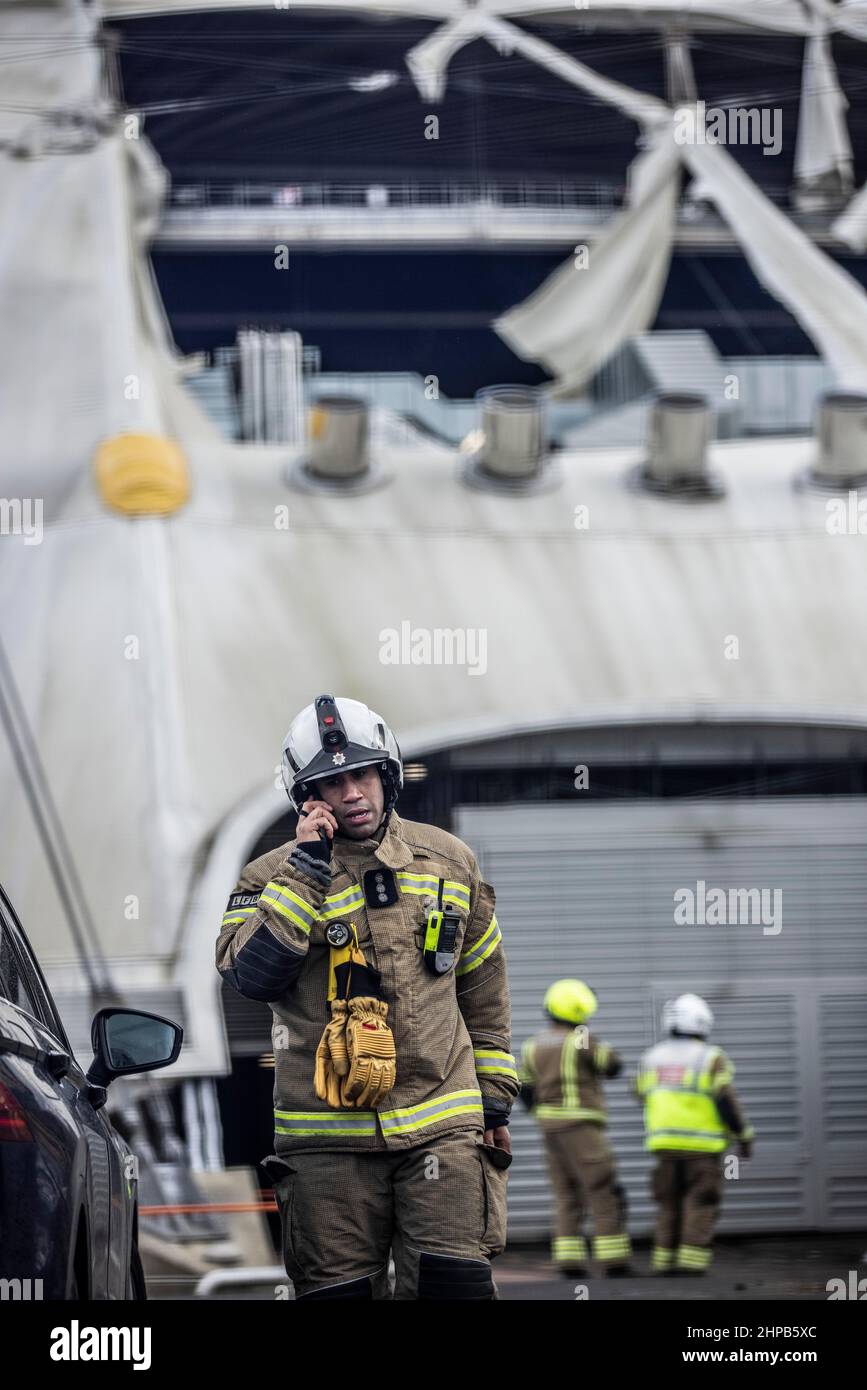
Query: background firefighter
690,1112
561,1082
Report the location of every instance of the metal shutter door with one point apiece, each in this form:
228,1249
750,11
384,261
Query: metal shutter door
588,891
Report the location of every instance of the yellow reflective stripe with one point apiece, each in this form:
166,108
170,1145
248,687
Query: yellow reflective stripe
569,1112
605,1245
300,1122
427,885
528,1060
353,891
568,1248
603,1055
694,1257
712,1144
490,1061
569,1073
420,884
336,904
481,950
279,890
706,1082
662,1258
414,1117
238,914
279,898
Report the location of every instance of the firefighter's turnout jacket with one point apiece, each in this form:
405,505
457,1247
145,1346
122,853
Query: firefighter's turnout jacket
451,1032
561,1076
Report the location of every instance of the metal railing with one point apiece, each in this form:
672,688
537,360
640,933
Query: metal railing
211,194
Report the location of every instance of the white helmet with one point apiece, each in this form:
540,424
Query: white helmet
334,734
687,1014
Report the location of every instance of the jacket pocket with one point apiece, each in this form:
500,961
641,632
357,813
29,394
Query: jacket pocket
495,1178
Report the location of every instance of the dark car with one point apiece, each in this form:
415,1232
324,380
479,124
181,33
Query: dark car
68,1181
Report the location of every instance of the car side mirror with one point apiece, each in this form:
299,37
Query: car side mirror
126,1041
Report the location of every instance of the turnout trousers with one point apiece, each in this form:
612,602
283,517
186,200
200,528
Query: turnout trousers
687,1188
439,1209
584,1179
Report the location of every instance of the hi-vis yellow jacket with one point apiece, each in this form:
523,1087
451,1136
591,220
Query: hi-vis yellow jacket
451,1032
690,1104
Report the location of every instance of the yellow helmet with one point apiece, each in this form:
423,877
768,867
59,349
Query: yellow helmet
570,1001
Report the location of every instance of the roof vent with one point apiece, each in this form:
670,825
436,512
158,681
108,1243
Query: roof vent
842,441
508,452
337,456
676,464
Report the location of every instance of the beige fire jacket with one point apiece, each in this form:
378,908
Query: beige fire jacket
451,1032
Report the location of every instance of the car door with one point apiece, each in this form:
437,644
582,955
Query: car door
67,1173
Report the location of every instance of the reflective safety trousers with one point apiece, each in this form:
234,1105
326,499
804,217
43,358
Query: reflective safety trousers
451,1032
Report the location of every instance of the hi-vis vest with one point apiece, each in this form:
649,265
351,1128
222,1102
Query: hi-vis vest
678,1081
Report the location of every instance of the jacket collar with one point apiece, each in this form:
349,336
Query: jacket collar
392,850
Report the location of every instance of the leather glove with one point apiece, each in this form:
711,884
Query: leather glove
372,1056
332,1057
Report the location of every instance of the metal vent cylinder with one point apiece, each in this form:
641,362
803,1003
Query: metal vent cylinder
513,426
680,430
338,445
842,453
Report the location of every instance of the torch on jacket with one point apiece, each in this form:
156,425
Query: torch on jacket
451,1031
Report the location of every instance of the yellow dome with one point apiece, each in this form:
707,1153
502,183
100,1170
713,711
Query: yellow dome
142,474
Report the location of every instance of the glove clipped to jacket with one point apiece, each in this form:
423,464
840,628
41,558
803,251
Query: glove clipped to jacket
372,1056
356,1061
332,1058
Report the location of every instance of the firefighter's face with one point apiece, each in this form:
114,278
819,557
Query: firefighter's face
357,799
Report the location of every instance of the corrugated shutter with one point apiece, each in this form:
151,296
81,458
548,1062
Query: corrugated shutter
589,891
842,1120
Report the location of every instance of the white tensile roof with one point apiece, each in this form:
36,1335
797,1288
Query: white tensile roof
769,16
160,662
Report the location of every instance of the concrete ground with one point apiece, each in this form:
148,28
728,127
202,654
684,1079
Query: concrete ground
747,1268
789,1268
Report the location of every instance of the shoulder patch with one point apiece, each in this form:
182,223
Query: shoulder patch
242,900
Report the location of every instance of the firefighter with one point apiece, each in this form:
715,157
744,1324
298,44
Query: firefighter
561,1082
690,1112
376,944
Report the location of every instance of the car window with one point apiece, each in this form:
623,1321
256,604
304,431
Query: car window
20,982
15,984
